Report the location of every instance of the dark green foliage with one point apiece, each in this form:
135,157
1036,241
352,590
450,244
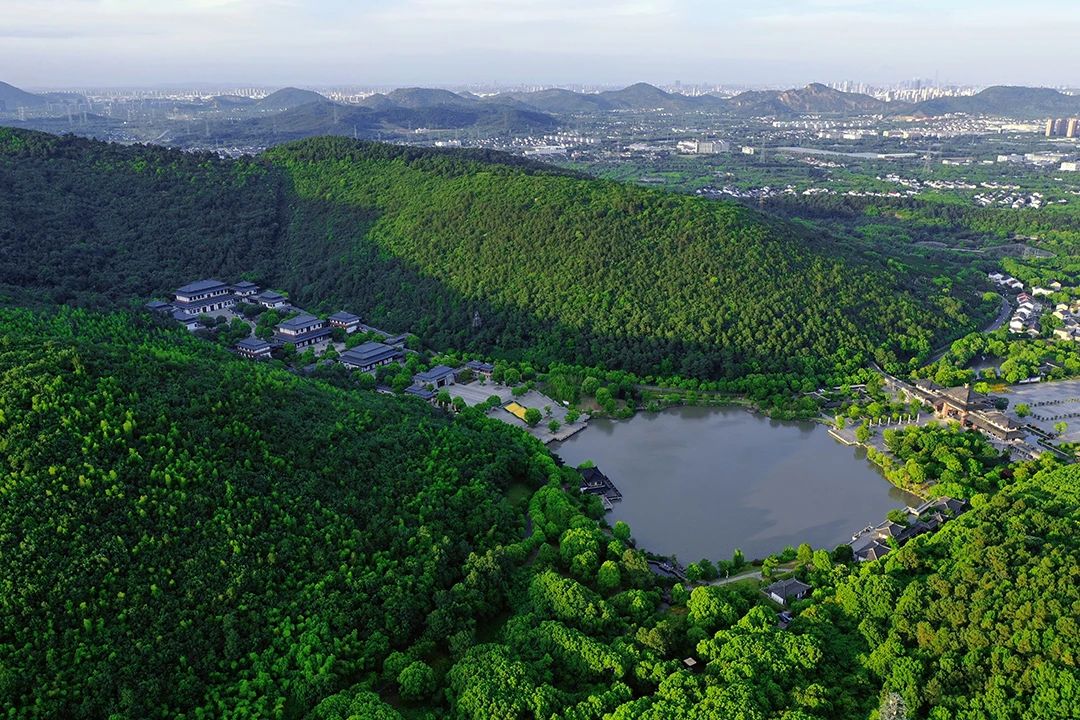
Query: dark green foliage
180,529
559,268
601,271
95,224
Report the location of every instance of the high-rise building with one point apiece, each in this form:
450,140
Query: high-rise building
1050,127
1073,128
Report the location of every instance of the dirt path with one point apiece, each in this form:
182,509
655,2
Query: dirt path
756,575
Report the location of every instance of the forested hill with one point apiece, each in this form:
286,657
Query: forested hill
558,267
180,529
184,534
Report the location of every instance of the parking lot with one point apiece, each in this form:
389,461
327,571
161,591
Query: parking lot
1050,403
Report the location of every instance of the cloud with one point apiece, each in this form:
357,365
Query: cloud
68,42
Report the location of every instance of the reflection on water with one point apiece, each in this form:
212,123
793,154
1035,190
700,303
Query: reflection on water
700,482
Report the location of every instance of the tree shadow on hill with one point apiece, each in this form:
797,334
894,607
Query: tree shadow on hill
328,263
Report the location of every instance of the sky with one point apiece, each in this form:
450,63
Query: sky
112,43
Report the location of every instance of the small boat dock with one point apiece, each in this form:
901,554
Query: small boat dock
595,482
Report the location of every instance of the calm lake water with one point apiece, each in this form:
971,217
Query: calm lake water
700,482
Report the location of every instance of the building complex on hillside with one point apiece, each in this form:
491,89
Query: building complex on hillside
301,331
968,408
346,321
304,330
204,296
370,355
873,543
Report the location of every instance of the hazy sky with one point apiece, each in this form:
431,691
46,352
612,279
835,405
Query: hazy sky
55,43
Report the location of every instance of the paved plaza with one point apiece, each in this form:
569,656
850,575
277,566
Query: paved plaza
1050,403
474,394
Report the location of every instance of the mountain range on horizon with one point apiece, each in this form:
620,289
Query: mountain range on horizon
813,99
292,113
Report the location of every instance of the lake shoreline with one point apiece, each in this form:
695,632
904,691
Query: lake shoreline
709,479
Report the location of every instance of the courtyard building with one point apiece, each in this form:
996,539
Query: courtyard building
253,348
437,377
301,331
204,296
787,591
346,321
271,300
370,355
245,289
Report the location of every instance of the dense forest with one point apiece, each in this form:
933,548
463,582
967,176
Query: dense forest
185,534
558,267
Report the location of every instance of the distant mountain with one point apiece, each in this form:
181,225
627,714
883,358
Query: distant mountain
428,97
643,96
378,101
375,118
227,102
814,99
287,98
484,117
560,101
1005,100
12,97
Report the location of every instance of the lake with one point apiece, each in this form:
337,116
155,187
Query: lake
700,482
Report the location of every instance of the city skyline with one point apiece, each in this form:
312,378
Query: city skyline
67,43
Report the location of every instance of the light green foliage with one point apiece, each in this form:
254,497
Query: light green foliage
714,607
356,702
489,684
416,681
608,578
961,462
920,624
570,602
1021,358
